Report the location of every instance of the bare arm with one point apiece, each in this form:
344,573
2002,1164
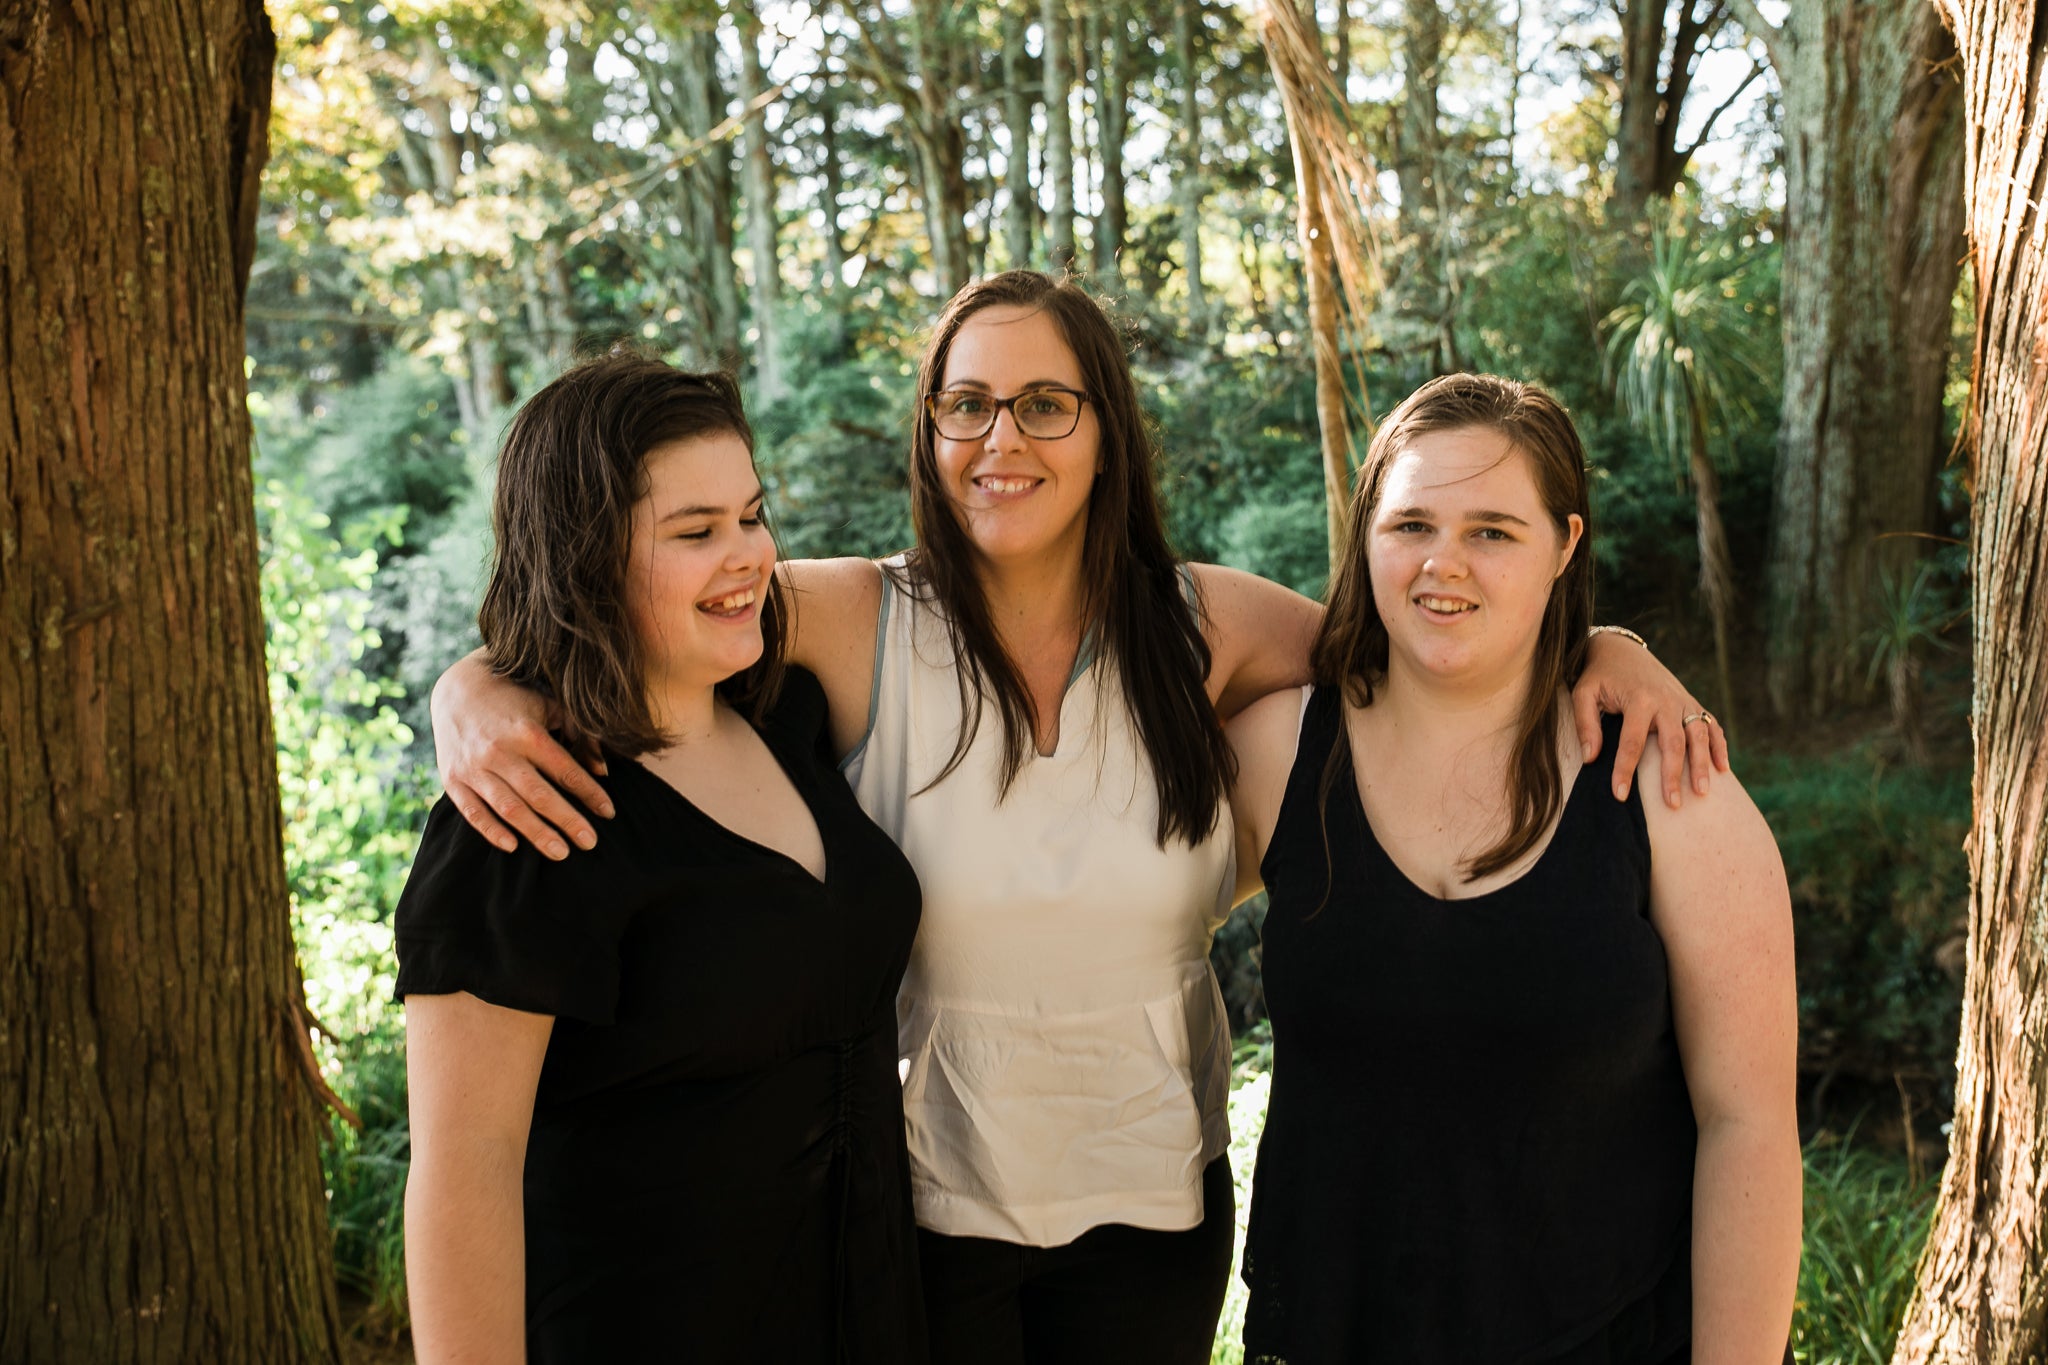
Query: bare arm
506,773
1263,736
471,1072
1718,899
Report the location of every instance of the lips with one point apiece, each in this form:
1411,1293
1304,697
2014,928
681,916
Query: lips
1006,485
729,607
1437,604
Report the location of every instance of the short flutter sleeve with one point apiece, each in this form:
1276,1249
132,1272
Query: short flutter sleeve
514,929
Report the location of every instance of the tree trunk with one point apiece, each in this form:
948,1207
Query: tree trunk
1873,247
709,176
760,182
833,172
1113,124
1186,13
1648,162
1983,1288
158,1131
941,145
1059,135
1021,210
1424,299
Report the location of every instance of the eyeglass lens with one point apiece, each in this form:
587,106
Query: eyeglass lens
967,414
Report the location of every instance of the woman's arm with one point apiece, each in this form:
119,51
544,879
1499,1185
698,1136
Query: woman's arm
506,773
1718,899
471,1072
1263,737
1259,635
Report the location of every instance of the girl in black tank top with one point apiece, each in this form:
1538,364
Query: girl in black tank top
1482,1094
1533,1092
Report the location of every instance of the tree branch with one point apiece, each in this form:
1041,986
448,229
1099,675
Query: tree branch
1775,40
1707,128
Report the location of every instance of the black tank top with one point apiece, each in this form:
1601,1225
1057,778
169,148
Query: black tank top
1479,1145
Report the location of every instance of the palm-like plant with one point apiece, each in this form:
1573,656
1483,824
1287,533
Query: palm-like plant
1685,362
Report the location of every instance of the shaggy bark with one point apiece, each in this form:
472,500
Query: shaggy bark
1982,1295
1059,135
1873,249
158,1136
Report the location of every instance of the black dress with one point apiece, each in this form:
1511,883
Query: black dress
1479,1145
716,1171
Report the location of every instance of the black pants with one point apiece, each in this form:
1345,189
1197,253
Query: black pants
1116,1295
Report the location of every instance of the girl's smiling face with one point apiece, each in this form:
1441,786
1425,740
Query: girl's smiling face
697,570
1462,555
1018,497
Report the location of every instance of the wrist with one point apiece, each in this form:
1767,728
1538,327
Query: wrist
1623,631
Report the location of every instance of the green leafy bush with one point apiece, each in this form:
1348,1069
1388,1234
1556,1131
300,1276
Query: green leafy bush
352,807
1880,888
1866,1221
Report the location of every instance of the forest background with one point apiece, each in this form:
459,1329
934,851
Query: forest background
1736,257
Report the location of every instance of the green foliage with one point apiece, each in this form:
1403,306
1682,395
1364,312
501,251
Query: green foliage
352,805
1866,1221
1685,356
1880,889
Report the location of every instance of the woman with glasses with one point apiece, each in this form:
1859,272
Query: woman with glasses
1064,1045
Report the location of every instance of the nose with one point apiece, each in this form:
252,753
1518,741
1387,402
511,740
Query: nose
1003,433
1445,562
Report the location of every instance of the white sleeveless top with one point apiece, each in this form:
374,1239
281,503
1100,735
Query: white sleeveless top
1066,1046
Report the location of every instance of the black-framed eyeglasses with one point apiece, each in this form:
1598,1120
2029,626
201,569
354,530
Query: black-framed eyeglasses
1045,413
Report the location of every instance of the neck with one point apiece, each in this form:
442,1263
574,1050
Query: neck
1425,707
687,713
1031,600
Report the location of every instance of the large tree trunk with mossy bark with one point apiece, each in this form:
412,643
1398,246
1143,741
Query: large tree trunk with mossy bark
159,1133
1872,254
1982,1295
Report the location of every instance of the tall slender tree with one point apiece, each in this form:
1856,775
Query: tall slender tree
1982,1295
760,182
158,1125
1059,134
1187,15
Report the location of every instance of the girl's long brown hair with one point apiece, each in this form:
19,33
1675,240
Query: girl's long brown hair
1350,648
573,464
1133,606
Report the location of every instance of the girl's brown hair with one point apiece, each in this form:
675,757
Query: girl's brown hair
1133,608
1350,648
573,465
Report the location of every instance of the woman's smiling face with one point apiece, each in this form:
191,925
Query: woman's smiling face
697,570
1018,497
1462,555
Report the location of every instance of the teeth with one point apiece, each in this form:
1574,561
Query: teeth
1445,604
733,603
1006,485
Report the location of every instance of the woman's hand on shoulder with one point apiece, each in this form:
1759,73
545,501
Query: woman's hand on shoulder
1625,679
1262,737
500,766
1258,634
835,611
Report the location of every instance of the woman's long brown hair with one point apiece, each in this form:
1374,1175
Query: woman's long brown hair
573,464
1132,606
1350,649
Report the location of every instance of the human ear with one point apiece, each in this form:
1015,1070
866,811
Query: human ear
1574,530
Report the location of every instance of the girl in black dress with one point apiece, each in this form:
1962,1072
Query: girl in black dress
655,1109
1533,1094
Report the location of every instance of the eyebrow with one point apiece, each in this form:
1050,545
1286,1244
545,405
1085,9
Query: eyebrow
1489,517
702,511
1025,387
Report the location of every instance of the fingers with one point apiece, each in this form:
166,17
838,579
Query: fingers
1586,715
518,809
475,810
1699,752
1720,741
1671,741
1628,752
